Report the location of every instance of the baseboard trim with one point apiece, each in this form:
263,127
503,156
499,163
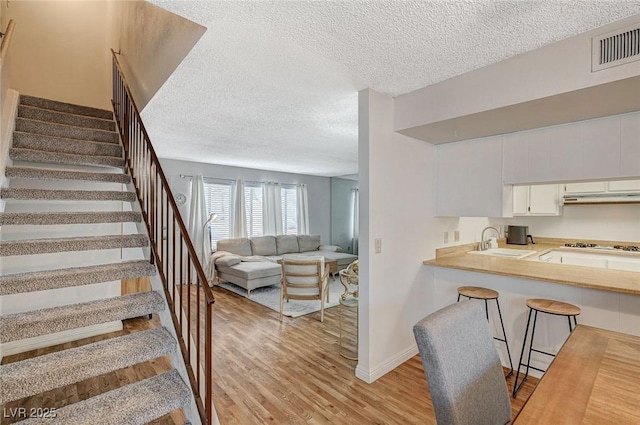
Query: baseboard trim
391,363
16,347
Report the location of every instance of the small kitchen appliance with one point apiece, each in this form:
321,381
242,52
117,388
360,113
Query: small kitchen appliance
518,235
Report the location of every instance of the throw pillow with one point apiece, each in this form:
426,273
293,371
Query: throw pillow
228,260
238,246
286,244
333,248
264,245
308,242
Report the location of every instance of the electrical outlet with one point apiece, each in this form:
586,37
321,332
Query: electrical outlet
456,236
378,243
446,237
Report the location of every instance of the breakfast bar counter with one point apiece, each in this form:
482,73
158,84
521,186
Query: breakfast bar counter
529,268
609,299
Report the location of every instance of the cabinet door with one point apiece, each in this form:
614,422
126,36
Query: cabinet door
630,145
452,175
539,156
470,178
624,186
515,157
520,200
601,148
544,200
565,163
624,264
589,261
484,179
588,187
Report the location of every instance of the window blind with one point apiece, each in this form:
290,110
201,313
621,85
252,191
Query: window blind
289,210
218,199
253,210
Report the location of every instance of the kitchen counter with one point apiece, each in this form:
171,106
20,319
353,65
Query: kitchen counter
529,268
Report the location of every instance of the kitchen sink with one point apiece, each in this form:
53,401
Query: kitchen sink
504,252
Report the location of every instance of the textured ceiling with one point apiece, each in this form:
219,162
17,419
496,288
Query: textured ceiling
273,84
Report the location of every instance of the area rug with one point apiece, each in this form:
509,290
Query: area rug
269,296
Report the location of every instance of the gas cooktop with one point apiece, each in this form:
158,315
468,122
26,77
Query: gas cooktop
633,248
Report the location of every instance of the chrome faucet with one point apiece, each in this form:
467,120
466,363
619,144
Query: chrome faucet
484,245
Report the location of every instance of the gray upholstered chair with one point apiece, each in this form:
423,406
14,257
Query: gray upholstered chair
462,366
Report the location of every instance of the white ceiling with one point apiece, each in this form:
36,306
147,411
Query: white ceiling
274,85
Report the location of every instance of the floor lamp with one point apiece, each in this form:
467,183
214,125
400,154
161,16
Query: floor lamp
211,218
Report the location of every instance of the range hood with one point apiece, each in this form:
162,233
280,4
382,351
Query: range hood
602,198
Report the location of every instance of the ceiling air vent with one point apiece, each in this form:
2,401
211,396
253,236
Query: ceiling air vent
615,48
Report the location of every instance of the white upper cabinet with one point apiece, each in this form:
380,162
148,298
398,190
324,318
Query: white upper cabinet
587,187
470,178
566,153
630,145
601,148
520,200
605,148
624,186
541,199
602,187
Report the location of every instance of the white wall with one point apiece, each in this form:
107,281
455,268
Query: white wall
319,188
60,51
8,102
62,48
557,68
342,212
397,204
152,43
600,222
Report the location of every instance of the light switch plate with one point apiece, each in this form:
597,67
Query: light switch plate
378,243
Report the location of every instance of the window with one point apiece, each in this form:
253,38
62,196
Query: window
253,209
289,210
217,194
219,198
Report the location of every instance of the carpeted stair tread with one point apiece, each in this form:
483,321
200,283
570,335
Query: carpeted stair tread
47,372
75,276
54,105
18,154
14,327
134,404
66,195
62,145
62,130
85,243
51,174
47,115
53,218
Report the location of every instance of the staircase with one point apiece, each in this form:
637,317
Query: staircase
71,231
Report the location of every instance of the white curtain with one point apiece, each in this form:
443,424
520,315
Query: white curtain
355,208
303,209
197,217
239,217
271,209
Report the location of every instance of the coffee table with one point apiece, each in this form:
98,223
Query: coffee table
331,266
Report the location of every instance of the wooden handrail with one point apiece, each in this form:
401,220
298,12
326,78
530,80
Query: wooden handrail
6,39
168,237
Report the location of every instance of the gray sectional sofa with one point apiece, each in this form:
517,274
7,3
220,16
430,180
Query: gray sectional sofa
254,262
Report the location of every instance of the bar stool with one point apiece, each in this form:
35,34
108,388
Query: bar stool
478,293
557,308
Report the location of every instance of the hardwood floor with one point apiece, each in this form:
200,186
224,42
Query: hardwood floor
267,372
292,373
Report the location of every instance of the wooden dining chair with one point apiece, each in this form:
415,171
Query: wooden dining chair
304,278
462,366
